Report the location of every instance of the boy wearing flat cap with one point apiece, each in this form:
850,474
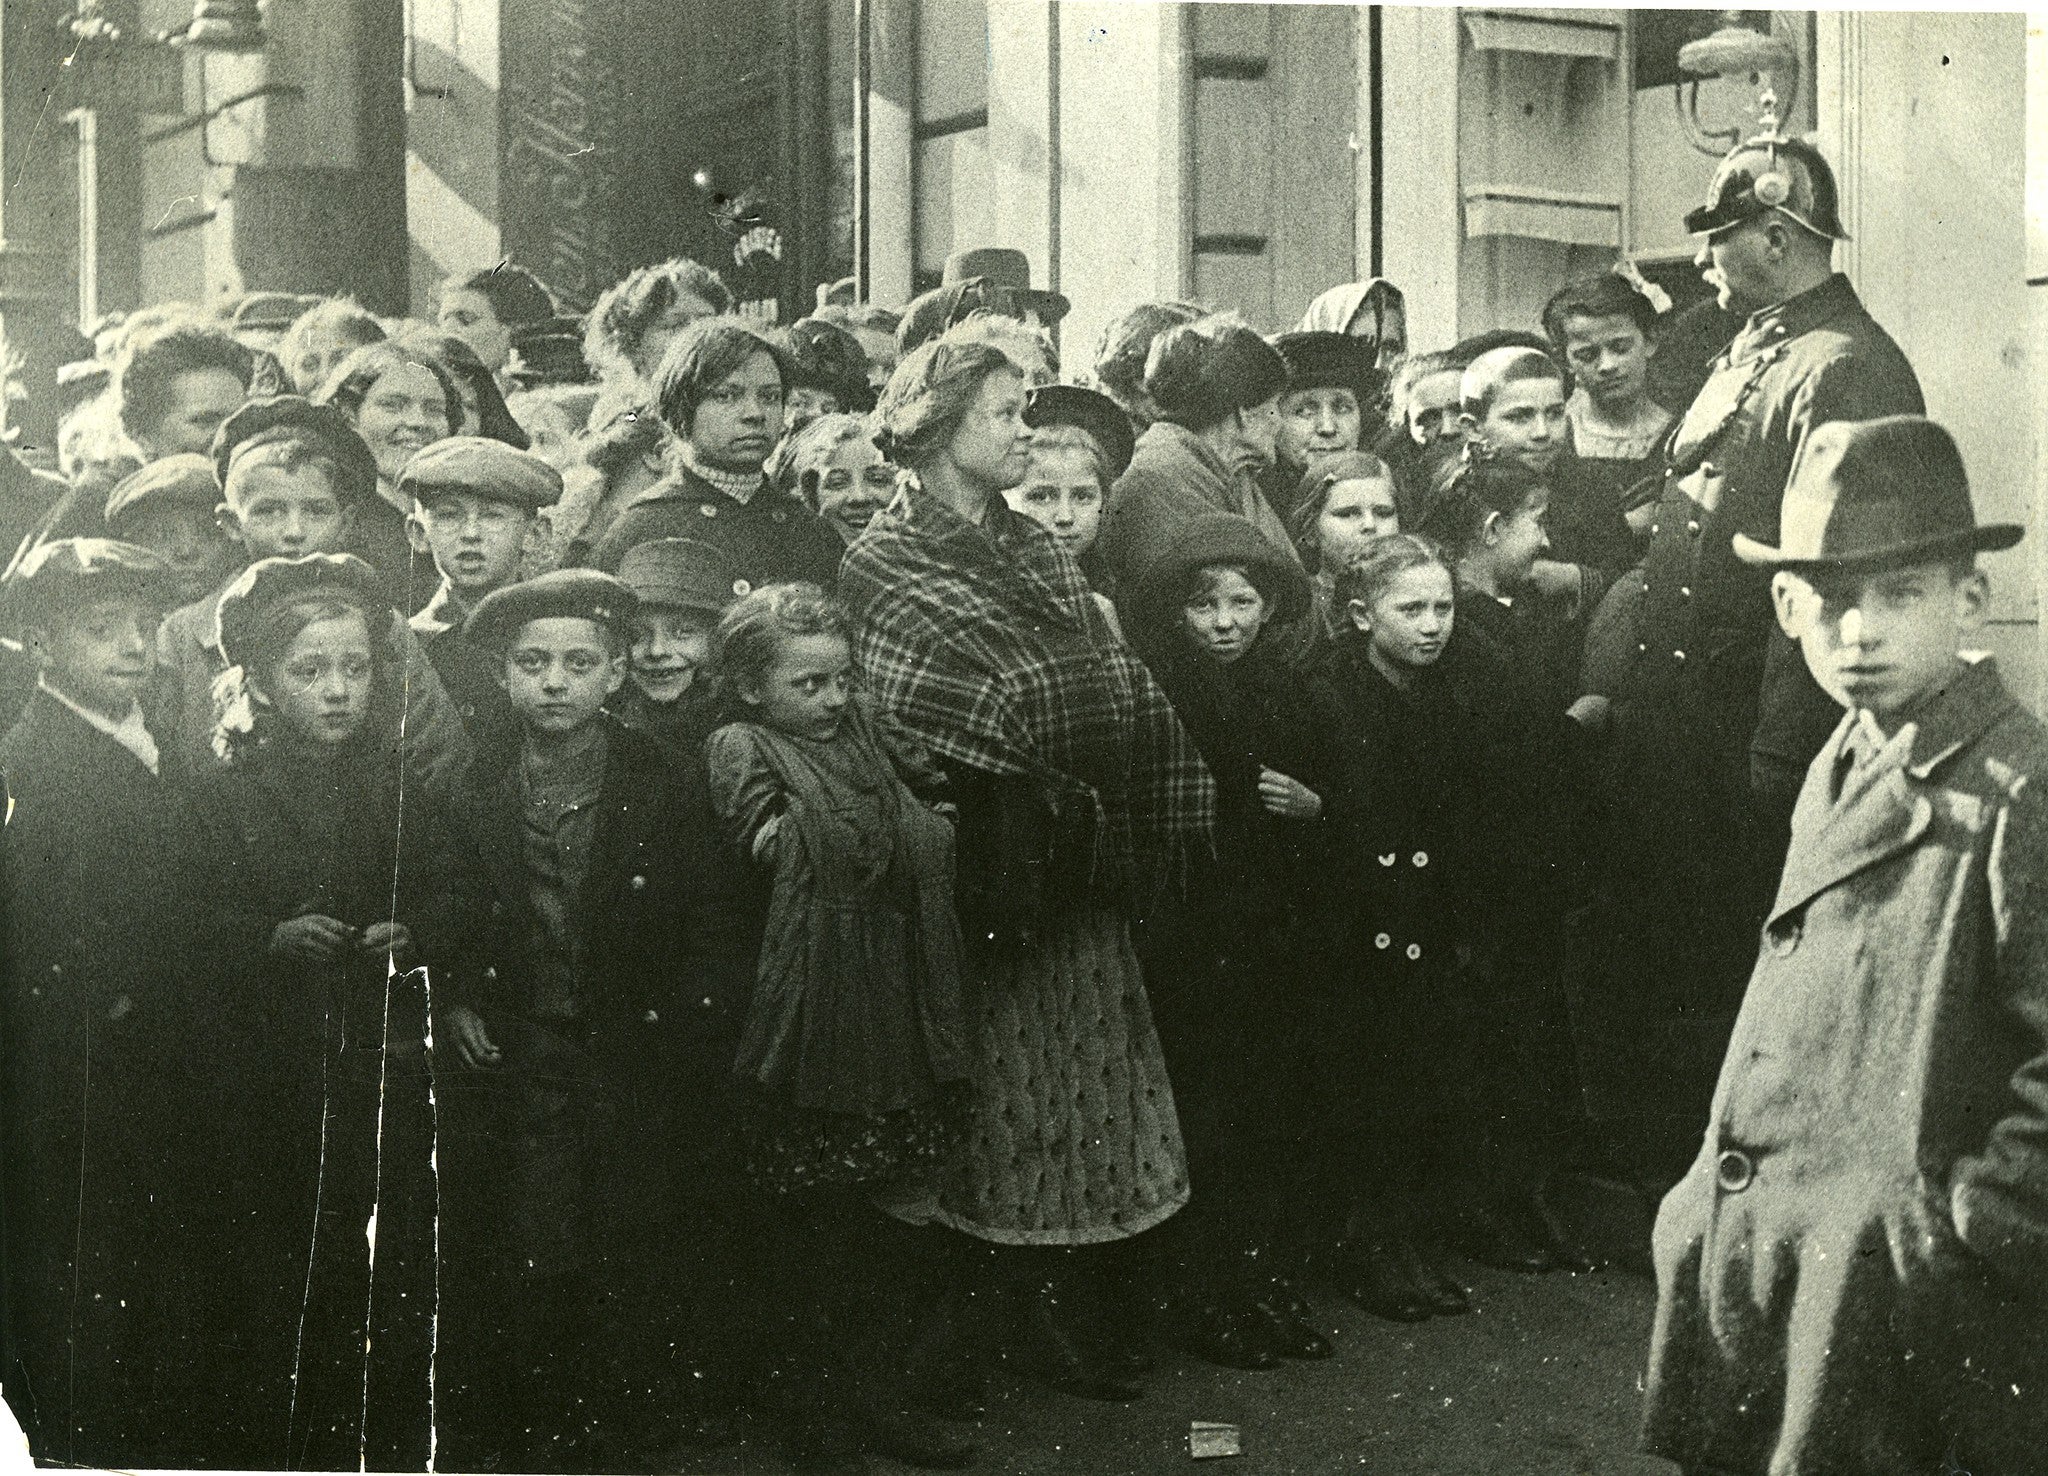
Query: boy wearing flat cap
475,503
168,508
292,475
609,1031
682,586
107,965
1853,1275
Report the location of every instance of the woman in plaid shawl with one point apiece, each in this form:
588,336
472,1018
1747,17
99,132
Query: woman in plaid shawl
1080,797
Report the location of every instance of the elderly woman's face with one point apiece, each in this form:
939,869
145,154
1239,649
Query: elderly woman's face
992,446
404,410
853,483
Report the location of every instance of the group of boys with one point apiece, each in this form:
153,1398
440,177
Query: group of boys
548,713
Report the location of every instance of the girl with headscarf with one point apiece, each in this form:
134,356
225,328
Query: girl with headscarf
1079,793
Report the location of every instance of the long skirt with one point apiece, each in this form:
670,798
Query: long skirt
1071,1134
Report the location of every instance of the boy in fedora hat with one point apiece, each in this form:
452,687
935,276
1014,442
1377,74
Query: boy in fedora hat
1851,1276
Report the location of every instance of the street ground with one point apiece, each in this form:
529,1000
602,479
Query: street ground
1543,1379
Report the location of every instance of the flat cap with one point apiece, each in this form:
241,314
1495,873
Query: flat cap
685,572
825,356
64,571
185,480
296,418
484,468
264,310
1091,410
266,585
564,594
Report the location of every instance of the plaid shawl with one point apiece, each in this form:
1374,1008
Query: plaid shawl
986,645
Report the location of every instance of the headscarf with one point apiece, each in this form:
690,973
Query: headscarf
1336,310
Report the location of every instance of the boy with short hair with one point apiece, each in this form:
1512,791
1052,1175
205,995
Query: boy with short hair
1852,1275
670,693
109,1038
475,505
168,508
611,882
1512,405
291,474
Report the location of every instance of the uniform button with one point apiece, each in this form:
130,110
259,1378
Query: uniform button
1653,530
1685,591
1642,648
1734,1171
1382,941
1421,858
707,509
1414,951
1785,938
1693,528
1646,586
1678,655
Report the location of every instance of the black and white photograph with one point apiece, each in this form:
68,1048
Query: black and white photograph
1048,737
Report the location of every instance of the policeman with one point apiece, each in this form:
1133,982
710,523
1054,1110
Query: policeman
1715,716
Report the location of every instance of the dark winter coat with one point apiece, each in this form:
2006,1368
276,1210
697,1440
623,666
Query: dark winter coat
114,993
1854,1275
1173,479
769,538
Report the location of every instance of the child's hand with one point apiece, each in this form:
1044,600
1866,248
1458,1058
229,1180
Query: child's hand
311,938
1288,798
1590,711
394,938
473,1044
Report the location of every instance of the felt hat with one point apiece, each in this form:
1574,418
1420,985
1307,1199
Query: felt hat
64,571
1005,275
267,584
1319,360
563,594
185,480
1871,494
296,418
1223,539
484,468
1787,175
1201,372
684,572
825,356
1091,410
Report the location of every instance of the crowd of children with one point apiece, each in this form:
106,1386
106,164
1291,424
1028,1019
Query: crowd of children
878,872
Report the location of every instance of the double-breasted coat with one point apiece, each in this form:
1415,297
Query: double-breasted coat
1854,1275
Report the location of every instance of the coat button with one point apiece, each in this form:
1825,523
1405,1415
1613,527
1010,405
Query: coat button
1678,655
638,884
650,1018
709,510
1734,1171
1420,858
1693,528
1646,586
1389,859
1383,941
1707,468
1785,938
1685,591
1642,648
1654,530
779,515
1414,951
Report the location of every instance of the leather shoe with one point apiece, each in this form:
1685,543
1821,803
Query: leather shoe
1228,1338
1289,1330
916,1441
1491,1240
1370,1276
1445,1294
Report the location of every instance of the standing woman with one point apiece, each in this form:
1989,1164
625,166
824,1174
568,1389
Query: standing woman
1079,793
331,1059
400,399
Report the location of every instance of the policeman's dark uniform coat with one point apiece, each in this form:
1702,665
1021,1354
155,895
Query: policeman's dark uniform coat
770,538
